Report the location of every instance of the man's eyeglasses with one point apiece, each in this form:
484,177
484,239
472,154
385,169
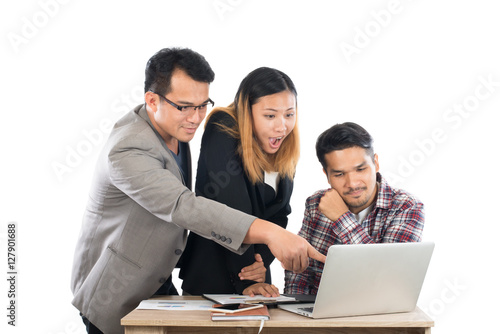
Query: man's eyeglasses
188,109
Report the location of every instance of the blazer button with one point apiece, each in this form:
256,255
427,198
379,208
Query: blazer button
178,252
223,238
213,234
229,240
162,280
217,236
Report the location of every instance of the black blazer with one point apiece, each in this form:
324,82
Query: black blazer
207,267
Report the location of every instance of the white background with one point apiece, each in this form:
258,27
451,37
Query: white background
71,67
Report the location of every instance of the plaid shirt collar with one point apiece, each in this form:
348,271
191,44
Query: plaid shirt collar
385,192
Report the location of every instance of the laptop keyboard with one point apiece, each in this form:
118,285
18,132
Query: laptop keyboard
307,309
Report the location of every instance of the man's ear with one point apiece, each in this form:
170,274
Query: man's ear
152,100
375,162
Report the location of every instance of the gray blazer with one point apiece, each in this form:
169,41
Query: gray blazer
134,226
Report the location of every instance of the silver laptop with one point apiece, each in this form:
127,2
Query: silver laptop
369,279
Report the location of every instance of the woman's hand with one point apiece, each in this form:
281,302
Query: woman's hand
264,289
254,272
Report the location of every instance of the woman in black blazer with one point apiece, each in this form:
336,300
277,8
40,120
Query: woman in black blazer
248,156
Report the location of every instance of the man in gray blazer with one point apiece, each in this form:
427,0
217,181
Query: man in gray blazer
140,206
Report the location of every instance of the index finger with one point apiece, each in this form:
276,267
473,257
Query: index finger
314,254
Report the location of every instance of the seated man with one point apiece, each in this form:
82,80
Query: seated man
360,207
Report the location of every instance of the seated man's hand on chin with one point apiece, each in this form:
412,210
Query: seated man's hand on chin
332,205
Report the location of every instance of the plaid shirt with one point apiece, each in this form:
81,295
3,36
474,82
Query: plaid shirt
396,217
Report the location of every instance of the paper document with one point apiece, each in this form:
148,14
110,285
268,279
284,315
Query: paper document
234,299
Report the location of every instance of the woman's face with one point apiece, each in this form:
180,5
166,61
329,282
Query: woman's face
274,117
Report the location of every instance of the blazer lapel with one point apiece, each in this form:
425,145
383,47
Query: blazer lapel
260,192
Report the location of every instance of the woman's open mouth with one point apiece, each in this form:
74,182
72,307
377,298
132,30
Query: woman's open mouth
275,142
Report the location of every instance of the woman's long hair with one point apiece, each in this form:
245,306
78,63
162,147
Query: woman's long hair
259,83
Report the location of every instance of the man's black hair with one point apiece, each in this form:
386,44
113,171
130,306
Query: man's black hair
343,136
162,64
